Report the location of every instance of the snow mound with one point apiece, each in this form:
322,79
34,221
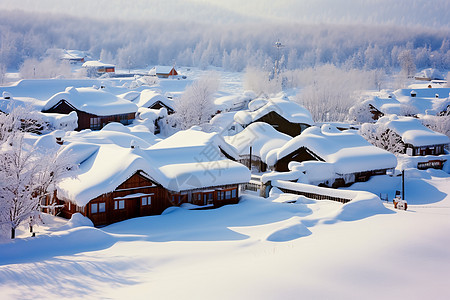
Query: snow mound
289,233
78,220
364,205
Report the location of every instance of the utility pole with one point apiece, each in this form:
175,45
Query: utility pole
403,184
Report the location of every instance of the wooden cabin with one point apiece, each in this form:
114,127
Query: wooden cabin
145,181
139,196
282,114
94,107
352,158
281,124
163,71
160,104
87,120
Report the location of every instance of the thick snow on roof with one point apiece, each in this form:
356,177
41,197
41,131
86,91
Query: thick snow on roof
234,101
429,74
425,101
149,97
42,89
413,131
103,171
188,160
73,54
94,101
348,151
291,111
160,70
262,137
114,133
97,63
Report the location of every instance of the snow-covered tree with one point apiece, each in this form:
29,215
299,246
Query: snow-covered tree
2,73
259,81
27,173
196,105
407,64
382,137
47,68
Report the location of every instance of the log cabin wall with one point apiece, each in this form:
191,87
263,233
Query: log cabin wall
139,196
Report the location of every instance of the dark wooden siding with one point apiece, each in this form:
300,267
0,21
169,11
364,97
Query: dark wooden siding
282,125
300,155
126,201
85,120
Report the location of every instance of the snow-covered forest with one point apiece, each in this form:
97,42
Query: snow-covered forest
234,46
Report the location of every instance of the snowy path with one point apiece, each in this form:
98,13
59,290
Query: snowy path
257,249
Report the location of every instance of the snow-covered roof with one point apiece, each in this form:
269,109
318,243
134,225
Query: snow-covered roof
262,137
160,70
149,97
291,111
92,100
347,151
429,101
73,54
413,131
429,74
185,161
97,64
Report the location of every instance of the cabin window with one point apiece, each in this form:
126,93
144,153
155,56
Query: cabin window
69,206
95,123
94,208
119,204
208,198
220,195
102,207
228,195
233,193
146,200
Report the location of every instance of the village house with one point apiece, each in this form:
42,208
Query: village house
418,140
284,115
94,107
154,100
99,68
115,183
162,71
256,143
348,154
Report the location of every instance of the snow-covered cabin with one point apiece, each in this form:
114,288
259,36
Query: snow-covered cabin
284,115
418,139
163,71
115,183
154,100
429,101
94,107
255,143
99,67
429,74
70,55
353,158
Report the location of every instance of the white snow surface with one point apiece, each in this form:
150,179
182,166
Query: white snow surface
283,247
149,97
94,101
413,131
291,111
347,151
262,137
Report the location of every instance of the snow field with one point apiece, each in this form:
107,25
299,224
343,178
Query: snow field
257,249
